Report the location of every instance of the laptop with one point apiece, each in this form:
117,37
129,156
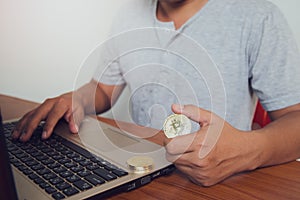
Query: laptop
92,164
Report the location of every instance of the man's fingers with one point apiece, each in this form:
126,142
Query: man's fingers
185,143
26,126
53,117
75,120
180,159
19,128
203,117
52,110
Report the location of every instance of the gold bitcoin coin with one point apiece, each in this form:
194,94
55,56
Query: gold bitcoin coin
140,164
177,124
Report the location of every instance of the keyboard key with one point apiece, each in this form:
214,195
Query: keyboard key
52,153
104,163
110,167
54,165
17,163
26,159
61,149
77,169
43,171
85,163
105,174
47,150
38,180
62,185
84,173
31,150
50,190
42,157
66,174
37,167
27,171
36,154
70,191
77,149
22,155
58,195
22,168
11,147
48,161
78,159
82,185
64,160
56,180
72,155
25,147
92,167
14,161
17,151
49,176
33,176
58,157
73,178
32,163
120,172
60,169
94,179
44,185
70,164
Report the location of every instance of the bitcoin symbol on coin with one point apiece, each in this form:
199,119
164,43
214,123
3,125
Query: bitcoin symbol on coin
176,125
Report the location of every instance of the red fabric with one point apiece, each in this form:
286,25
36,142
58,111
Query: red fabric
261,116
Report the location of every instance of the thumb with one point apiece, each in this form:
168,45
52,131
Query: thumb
75,120
199,115
214,125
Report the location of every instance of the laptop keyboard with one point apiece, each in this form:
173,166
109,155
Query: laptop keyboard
58,166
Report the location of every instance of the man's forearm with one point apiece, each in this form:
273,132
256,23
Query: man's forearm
93,98
280,140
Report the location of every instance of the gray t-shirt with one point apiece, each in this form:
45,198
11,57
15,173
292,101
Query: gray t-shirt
221,59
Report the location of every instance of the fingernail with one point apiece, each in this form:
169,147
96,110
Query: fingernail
178,107
76,127
14,135
22,137
44,135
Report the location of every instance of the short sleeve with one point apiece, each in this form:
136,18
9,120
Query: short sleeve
274,62
108,67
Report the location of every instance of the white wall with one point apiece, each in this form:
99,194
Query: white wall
290,9
44,42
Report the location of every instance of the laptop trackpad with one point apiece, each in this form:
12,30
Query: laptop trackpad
102,137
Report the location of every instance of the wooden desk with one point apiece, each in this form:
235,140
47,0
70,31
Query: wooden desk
278,182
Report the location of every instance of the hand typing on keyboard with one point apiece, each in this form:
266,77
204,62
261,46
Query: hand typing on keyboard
91,98
58,166
52,110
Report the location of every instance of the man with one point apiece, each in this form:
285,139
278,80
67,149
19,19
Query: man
252,53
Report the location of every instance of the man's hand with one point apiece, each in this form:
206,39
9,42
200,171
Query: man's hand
215,152
67,106
91,98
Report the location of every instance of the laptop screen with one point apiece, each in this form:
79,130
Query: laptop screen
7,186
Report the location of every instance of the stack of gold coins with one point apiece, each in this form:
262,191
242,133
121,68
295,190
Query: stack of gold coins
140,164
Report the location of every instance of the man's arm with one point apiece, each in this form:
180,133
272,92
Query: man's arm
97,97
91,98
218,150
281,138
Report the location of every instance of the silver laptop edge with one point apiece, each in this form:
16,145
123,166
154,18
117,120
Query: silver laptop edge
102,140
